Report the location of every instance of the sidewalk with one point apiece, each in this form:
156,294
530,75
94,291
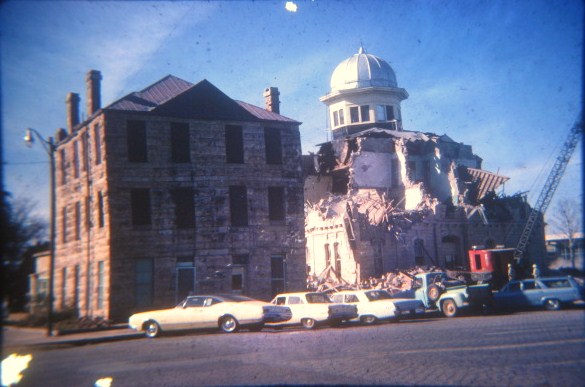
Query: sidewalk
19,338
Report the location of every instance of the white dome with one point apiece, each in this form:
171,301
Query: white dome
362,70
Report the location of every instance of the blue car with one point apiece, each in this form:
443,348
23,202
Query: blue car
548,292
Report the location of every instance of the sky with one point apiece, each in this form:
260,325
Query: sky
504,76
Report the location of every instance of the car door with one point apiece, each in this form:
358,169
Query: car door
190,315
510,295
532,292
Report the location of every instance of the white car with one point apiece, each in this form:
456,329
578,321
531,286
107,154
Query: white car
228,312
372,305
313,308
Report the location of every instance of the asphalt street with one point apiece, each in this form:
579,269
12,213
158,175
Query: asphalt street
536,348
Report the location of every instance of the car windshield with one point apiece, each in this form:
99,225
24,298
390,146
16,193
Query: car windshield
317,298
376,295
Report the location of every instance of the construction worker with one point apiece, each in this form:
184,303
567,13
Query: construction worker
511,272
535,271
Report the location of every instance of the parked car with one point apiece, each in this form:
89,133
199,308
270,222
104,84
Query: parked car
548,292
227,312
372,305
313,308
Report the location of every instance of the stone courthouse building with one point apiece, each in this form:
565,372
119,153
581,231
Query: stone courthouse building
172,190
381,198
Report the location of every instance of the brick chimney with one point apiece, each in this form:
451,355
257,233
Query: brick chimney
271,100
72,102
92,82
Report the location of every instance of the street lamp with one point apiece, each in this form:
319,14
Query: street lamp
50,148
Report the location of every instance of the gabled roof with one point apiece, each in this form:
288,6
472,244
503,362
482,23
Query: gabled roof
152,96
175,97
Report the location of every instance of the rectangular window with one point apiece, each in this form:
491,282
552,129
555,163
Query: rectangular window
380,113
64,288
77,221
337,258
477,258
136,133
180,143
184,207
277,274
75,159
354,114
237,282
140,205
87,213
63,166
77,287
327,254
273,146
365,112
412,170
427,172
389,112
143,282
98,145
101,285
276,203
335,118
234,144
240,259
64,224
341,119
239,205
100,209
85,150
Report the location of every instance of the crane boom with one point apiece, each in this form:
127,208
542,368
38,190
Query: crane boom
550,186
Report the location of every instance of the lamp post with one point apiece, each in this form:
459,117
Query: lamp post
50,148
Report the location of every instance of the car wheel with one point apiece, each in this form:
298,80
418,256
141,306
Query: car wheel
433,293
151,329
449,308
308,323
552,304
368,319
229,324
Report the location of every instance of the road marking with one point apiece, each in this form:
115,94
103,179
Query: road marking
492,347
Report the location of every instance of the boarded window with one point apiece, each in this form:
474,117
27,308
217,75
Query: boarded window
64,288
365,112
180,143
64,225
276,203
63,157
85,150
238,205
395,171
419,252
273,146
354,114
234,144
277,274
77,220
98,145
184,207
136,133
237,282
143,282
140,204
101,285
100,209
75,159
77,287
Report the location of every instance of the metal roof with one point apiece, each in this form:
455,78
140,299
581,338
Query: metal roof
264,114
152,96
488,181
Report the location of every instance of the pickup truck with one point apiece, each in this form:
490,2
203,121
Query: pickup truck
438,291
313,308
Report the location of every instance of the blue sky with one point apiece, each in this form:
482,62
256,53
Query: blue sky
502,76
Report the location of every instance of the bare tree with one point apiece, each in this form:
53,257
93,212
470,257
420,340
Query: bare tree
566,220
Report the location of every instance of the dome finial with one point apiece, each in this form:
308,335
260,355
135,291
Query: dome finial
361,50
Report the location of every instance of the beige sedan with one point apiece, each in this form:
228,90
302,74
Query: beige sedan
227,312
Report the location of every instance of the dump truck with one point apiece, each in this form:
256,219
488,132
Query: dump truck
437,291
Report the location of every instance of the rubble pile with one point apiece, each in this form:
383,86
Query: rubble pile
393,281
